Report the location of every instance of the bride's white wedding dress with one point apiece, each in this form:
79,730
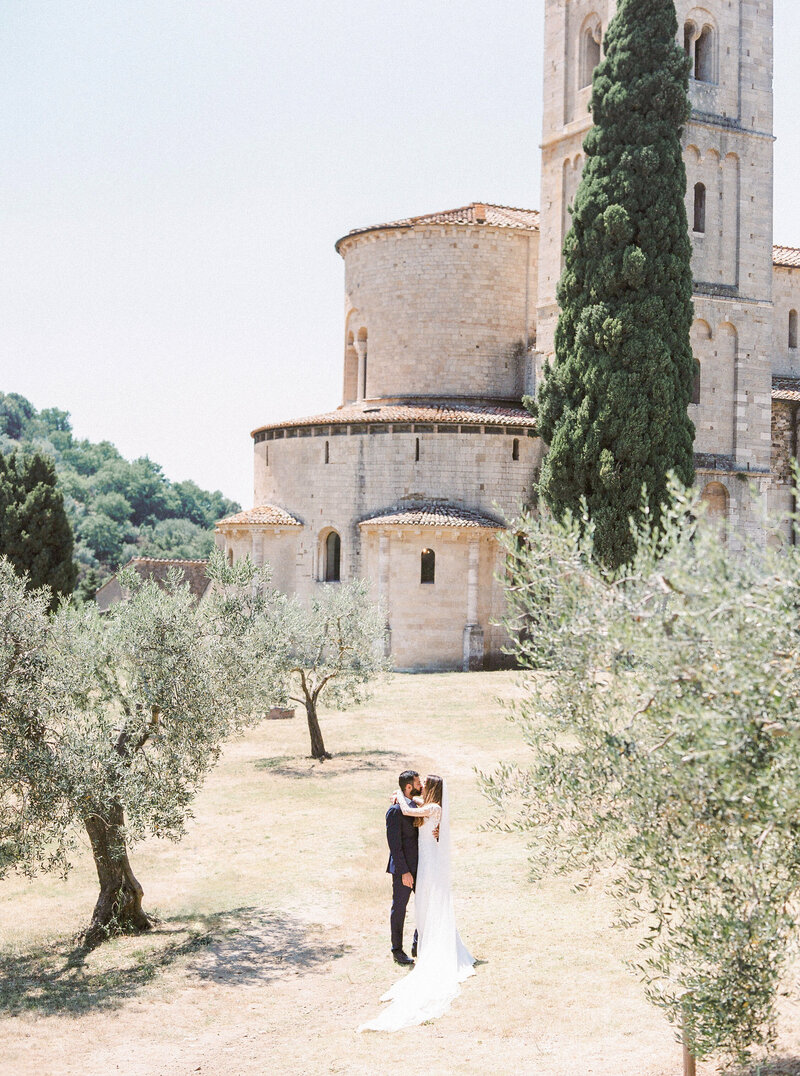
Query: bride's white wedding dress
443,961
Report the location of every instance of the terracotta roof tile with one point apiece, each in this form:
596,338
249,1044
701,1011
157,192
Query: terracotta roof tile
786,257
264,515
431,514
377,413
786,388
476,213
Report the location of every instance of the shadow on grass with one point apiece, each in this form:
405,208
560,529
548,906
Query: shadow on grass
343,762
245,946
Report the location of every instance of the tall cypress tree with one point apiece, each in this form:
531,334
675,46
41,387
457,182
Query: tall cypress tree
613,406
35,533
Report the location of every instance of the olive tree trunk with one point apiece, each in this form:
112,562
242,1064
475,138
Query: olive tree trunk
311,694
119,906
315,732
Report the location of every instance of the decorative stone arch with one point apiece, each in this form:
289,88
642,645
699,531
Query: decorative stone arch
692,154
589,49
329,556
716,499
792,330
728,329
701,330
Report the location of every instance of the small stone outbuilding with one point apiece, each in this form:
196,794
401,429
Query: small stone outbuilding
193,572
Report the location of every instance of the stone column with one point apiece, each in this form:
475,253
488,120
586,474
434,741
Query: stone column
473,632
361,351
383,585
257,552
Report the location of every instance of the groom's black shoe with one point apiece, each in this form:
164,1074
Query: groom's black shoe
402,958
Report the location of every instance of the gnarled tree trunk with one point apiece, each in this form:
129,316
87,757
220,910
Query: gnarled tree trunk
315,732
119,906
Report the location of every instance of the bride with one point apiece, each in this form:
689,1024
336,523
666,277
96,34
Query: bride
443,960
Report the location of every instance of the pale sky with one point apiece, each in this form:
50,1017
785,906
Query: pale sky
175,173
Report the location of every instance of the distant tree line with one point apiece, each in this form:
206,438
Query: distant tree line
117,509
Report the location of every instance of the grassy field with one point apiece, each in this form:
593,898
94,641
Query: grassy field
273,942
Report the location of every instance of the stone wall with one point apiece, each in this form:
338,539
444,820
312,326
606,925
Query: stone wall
373,470
786,297
427,621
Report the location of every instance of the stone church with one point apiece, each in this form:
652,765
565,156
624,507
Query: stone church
449,318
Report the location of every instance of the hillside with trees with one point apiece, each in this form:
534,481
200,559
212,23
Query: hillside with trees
117,508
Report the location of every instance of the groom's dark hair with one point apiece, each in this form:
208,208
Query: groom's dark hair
407,778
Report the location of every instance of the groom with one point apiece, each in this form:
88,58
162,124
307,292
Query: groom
403,839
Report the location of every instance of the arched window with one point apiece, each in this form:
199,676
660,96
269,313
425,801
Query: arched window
793,329
696,385
327,452
230,558
699,207
427,568
699,46
416,451
515,449
590,53
704,56
333,556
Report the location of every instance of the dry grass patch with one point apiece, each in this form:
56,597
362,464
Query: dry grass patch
273,941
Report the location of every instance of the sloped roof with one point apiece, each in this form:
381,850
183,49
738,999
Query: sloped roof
786,257
377,413
262,515
786,388
431,514
478,214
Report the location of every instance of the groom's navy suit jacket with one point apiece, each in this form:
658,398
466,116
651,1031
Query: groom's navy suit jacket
403,838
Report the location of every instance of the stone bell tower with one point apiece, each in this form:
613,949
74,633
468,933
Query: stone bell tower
728,149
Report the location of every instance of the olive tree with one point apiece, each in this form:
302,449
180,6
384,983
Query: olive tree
111,724
335,649
663,711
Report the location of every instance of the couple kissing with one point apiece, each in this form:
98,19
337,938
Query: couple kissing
418,835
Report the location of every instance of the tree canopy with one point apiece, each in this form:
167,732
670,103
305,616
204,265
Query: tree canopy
662,707
111,723
35,533
613,405
117,508
334,648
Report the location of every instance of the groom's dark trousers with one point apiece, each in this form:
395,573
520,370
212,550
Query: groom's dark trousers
403,839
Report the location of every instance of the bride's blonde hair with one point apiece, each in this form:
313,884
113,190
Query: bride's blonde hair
432,793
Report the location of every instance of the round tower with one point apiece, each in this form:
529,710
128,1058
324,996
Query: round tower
441,306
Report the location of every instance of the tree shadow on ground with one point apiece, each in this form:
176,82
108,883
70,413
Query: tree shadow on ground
343,762
242,947
779,1066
